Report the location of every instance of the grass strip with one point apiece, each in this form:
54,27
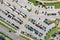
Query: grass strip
26,37
34,2
6,36
7,24
56,4
49,35
7,27
53,31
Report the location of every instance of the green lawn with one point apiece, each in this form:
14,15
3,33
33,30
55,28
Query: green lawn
49,35
24,37
7,26
56,4
27,37
34,2
53,31
6,36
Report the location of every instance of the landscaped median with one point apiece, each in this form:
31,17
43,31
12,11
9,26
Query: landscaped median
53,31
8,26
49,35
27,37
5,36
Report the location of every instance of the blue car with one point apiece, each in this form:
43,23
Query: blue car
36,31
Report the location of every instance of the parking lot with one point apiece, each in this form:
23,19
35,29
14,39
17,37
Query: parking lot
21,15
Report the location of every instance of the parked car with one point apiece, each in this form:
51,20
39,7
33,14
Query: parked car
29,27
40,34
36,31
20,20
15,26
2,18
9,16
3,12
48,22
7,11
6,3
24,15
32,21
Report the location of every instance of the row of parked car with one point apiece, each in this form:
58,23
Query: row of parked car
32,21
12,16
14,9
12,24
41,26
19,21
33,30
21,13
48,22
29,35
15,1
9,22
4,12
52,14
2,18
